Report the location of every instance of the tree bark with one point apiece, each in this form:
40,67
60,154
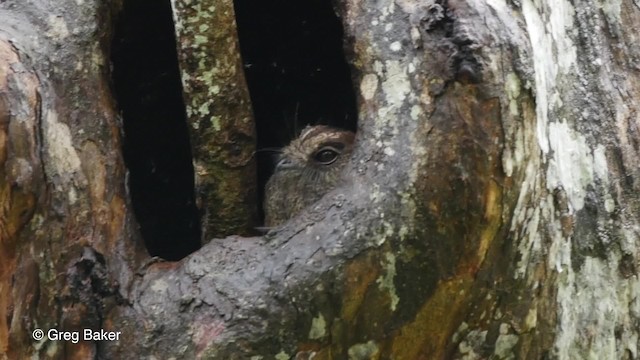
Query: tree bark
491,207
68,237
219,115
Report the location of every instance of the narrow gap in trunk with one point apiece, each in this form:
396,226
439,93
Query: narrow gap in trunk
156,140
296,71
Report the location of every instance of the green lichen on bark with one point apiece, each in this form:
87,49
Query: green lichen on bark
219,115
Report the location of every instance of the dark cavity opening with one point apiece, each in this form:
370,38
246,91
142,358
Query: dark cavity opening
296,71
156,141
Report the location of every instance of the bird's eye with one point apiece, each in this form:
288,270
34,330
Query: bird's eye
326,156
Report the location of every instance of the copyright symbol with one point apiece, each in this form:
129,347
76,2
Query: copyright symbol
37,334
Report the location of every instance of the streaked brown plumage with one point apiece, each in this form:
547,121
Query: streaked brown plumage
309,167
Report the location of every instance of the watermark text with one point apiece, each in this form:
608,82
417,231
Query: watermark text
76,336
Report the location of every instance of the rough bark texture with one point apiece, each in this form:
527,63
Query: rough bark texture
492,210
219,115
67,235
18,181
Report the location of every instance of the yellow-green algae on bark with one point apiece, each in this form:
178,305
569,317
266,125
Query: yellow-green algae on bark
219,115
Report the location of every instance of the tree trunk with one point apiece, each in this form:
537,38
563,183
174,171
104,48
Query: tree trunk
491,208
67,233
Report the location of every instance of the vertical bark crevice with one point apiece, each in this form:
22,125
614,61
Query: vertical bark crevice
157,149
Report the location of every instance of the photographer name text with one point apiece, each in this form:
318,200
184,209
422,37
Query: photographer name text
76,336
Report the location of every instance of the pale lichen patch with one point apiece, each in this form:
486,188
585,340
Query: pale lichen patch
612,9
514,155
57,27
203,110
385,282
591,309
505,343
368,86
572,163
63,158
378,67
185,77
364,351
554,55
216,121
473,341
531,245
159,286
72,195
530,182
396,86
609,203
415,112
512,89
600,164
318,327
386,7
376,195
531,320
459,332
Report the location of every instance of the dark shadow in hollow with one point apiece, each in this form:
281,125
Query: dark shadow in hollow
156,150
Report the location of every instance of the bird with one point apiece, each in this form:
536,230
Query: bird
309,167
